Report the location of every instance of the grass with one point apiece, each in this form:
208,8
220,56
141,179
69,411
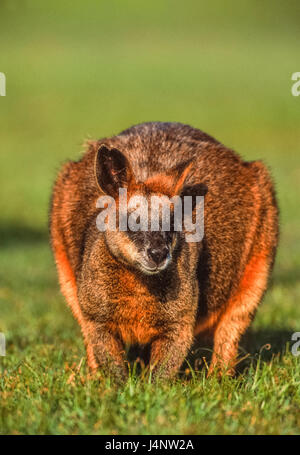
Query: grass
75,72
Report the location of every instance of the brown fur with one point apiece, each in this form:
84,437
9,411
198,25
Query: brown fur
211,289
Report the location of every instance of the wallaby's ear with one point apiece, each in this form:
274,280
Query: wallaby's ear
179,175
199,189
112,170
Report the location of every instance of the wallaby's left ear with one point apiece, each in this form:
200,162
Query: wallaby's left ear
199,189
179,175
112,170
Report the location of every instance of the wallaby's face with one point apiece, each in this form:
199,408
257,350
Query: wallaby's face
150,251
135,238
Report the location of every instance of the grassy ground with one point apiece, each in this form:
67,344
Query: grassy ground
75,72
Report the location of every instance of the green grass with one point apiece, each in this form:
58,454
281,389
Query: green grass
75,72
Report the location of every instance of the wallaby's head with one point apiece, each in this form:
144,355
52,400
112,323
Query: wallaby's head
139,219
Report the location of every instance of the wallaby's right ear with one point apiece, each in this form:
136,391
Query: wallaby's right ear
112,170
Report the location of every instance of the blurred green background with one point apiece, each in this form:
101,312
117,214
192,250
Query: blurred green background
88,69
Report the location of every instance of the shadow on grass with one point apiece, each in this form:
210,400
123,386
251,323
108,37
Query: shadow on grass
256,341
262,343
12,234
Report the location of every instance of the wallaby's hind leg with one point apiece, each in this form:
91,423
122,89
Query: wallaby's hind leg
260,246
69,291
239,313
101,347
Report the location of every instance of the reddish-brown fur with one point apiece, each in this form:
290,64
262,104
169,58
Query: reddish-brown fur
211,289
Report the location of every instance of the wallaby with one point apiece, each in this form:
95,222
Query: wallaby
153,287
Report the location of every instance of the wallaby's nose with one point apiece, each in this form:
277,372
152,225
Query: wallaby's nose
158,255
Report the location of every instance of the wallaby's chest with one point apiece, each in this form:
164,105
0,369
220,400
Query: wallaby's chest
137,318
